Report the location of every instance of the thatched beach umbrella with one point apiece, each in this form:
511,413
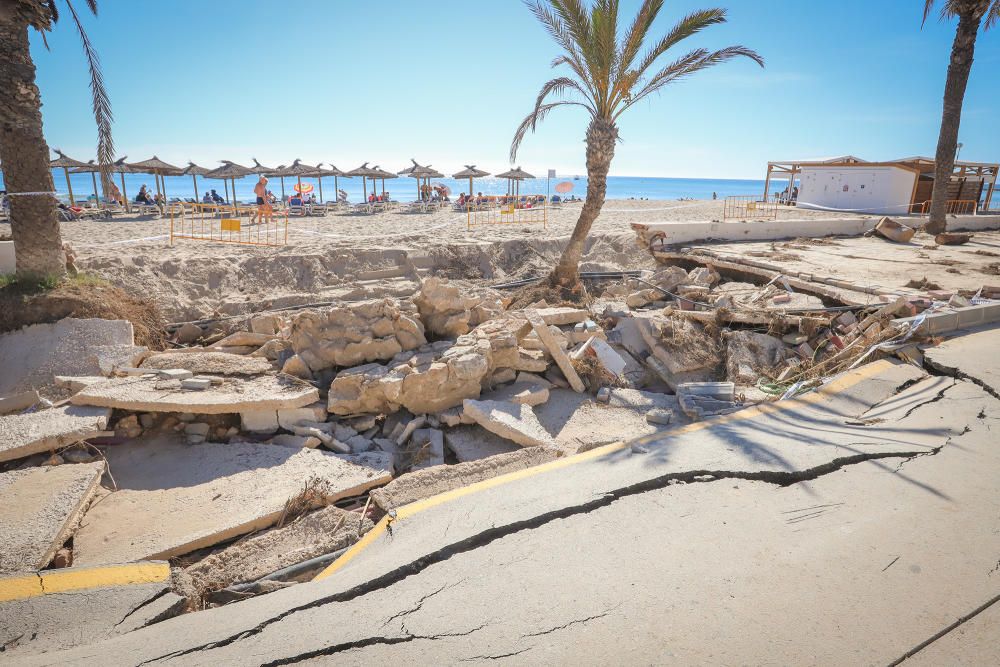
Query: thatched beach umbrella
229,171
297,169
122,168
158,168
382,174
419,173
194,171
67,163
261,170
365,172
470,172
336,173
514,178
90,168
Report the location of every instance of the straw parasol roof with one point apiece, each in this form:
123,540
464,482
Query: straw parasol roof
298,169
194,170
65,161
364,170
155,165
228,170
333,171
258,168
470,171
382,173
516,174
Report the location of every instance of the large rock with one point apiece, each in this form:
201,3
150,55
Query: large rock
355,333
445,311
679,348
434,378
750,355
40,509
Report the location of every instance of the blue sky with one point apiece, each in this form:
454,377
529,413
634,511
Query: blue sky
447,83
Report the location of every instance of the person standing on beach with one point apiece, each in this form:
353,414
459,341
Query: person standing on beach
264,209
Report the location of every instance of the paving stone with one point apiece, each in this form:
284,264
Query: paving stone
513,421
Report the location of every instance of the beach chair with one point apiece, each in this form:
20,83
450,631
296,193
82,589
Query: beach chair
296,210
363,207
319,210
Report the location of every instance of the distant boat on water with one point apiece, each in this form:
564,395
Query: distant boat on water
576,178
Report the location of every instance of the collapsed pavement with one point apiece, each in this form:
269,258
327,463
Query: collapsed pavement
264,429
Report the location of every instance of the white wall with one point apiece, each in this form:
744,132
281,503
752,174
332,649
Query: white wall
885,190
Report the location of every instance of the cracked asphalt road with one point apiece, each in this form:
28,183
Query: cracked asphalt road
849,529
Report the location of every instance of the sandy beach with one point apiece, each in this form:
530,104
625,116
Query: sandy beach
348,255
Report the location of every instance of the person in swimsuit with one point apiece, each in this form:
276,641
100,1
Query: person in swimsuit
264,209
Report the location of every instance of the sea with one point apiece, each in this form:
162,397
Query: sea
405,189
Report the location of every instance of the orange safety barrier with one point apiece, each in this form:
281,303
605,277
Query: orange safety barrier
749,207
519,210
227,223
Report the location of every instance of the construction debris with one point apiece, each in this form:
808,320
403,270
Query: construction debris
44,430
173,499
40,508
894,231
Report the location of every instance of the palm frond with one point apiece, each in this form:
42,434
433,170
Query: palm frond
637,32
928,6
532,120
560,85
54,10
689,25
993,15
686,65
100,101
559,31
92,5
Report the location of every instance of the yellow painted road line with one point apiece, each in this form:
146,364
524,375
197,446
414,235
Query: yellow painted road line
406,511
47,582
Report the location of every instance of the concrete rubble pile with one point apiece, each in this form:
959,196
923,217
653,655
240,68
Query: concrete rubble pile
315,408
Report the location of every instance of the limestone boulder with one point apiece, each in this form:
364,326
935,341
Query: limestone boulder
355,333
428,380
448,312
750,355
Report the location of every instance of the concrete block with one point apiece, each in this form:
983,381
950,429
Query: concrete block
259,421
207,362
563,361
295,441
196,384
175,374
18,402
314,412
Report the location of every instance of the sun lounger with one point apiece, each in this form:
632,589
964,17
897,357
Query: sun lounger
318,209
362,208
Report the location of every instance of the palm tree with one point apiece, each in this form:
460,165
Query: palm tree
23,150
607,77
970,15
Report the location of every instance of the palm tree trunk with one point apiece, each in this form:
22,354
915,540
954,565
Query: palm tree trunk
601,138
962,51
25,155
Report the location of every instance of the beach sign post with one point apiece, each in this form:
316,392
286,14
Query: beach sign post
552,174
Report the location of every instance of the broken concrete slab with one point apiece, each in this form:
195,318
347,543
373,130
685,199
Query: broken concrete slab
966,356
75,605
607,358
528,393
560,316
174,498
320,532
40,508
234,394
577,421
212,363
36,432
18,402
750,355
31,356
514,421
473,442
429,482
558,355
